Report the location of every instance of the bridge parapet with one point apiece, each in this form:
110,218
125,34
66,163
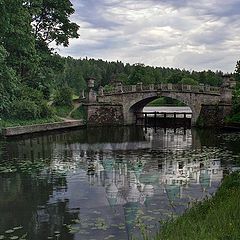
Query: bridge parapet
162,87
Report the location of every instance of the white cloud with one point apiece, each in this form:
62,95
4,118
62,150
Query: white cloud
186,34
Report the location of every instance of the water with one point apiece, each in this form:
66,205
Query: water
168,109
108,183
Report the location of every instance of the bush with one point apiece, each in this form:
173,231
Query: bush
63,97
45,110
30,105
62,111
188,81
25,110
80,113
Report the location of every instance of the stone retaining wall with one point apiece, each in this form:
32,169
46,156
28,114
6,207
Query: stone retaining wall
104,114
213,115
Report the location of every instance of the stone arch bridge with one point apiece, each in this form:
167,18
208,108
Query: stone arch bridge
122,102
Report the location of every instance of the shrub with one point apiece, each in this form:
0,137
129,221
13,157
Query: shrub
63,97
188,81
30,105
25,110
46,111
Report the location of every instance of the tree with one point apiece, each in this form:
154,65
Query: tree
26,59
188,81
50,21
17,38
9,84
237,72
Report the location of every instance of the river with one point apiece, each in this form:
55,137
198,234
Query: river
108,183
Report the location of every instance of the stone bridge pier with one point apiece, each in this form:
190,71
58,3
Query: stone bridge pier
209,105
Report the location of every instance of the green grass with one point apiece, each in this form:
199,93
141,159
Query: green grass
235,118
75,97
214,218
63,111
14,122
79,113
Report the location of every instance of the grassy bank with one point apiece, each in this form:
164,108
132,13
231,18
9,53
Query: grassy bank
13,123
235,118
215,218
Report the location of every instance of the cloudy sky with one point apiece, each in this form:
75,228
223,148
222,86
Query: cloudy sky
195,35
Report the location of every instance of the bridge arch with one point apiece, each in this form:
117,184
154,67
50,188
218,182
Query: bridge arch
140,100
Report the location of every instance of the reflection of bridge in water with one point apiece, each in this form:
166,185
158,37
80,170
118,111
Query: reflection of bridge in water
128,174
45,146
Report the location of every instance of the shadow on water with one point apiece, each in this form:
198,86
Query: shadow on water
107,183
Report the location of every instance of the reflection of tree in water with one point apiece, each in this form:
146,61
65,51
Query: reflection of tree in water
32,202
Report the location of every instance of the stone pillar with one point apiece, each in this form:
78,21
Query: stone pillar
226,89
92,96
206,88
151,87
139,86
100,91
170,86
134,88
201,87
119,88
189,87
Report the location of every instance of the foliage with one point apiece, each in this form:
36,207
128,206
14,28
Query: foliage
214,218
8,84
237,73
235,115
29,105
189,81
50,21
108,88
17,122
79,113
26,60
25,110
77,70
62,111
63,96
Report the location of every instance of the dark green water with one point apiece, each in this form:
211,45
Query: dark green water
107,183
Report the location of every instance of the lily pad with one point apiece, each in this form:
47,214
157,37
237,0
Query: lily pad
17,228
14,237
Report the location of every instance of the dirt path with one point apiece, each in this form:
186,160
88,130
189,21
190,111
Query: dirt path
68,118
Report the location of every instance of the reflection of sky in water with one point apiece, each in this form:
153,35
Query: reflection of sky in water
107,190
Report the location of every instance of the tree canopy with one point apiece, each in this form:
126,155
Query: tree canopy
26,59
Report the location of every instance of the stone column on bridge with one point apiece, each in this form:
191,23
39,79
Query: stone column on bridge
139,86
226,89
119,87
213,114
100,91
92,96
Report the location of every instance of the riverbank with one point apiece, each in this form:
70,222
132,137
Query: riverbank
36,128
215,218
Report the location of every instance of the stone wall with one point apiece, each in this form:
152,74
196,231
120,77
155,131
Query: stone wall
100,114
213,115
